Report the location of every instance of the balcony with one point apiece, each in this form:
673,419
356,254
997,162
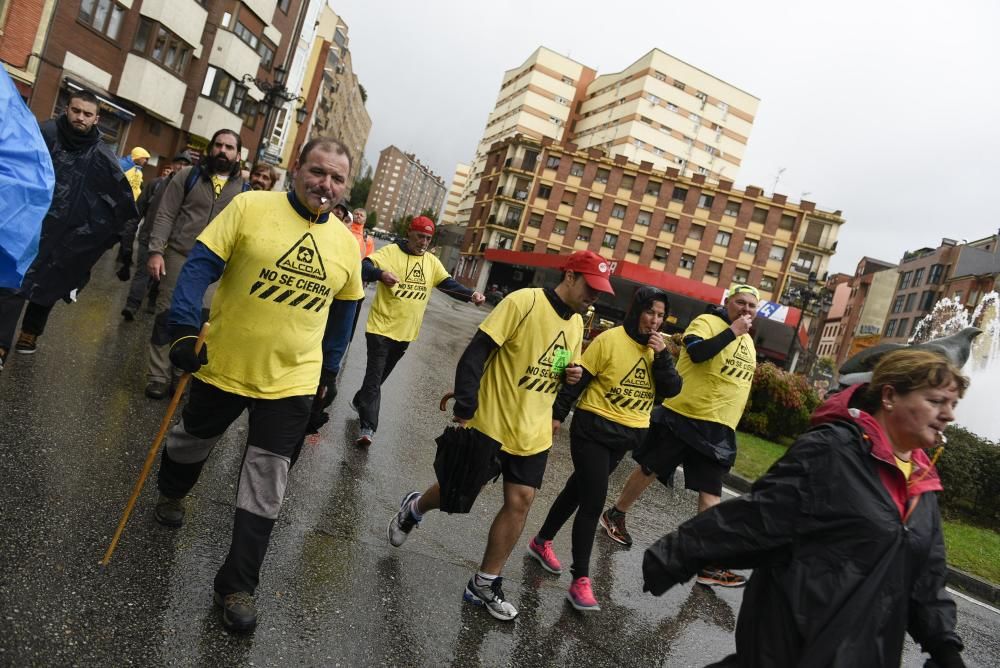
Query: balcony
152,87
262,8
233,55
209,116
185,18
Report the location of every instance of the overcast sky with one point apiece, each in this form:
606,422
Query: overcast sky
886,110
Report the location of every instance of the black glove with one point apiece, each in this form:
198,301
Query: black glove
124,272
182,349
655,578
325,395
945,656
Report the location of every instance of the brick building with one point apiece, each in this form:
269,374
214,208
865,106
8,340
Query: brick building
403,186
546,197
24,25
868,303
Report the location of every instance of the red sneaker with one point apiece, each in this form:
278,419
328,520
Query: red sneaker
545,555
580,595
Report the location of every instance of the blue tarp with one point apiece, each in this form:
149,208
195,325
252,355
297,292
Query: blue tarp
26,183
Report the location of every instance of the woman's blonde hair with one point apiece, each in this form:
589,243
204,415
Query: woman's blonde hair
912,369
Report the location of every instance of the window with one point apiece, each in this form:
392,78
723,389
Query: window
513,218
671,106
927,299
583,233
266,55
741,276
552,162
723,239
653,188
687,261
559,227
527,247
602,176
897,304
283,5
767,283
678,84
627,182
713,269
224,90
787,222
918,276
165,48
635,246
777,253
706,201
890,328
904,280
535,220
679,194
618,211
249,113
593,204
694,117
916,324
544,191
104,16
670,224
576,169
246,35
750,245
732,208
696,232
652,99
660,254
610,240
911,301
561,100
934,277
530,158
759,215
569,197
804,263
643,218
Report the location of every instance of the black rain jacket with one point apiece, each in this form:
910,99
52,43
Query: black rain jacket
847,556
91,204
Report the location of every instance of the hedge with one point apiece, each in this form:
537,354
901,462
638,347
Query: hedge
970,474
780,404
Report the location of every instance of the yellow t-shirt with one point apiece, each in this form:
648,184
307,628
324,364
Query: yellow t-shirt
904,465
397,312
269,313
134,178
622,388
519,386
718,388
218,183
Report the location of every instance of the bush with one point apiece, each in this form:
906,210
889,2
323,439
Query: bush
780,404
970,473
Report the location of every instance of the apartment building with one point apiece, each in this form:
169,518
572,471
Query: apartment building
24,25
454,197
832,324
551,198
168,74
658,110
963,271
333,94
403,186
868,303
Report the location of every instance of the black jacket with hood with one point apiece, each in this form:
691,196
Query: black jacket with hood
91,205
847,555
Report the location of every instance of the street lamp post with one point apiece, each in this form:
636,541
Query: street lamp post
803,296
276,96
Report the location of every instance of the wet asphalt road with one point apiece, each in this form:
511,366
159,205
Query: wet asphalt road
75,428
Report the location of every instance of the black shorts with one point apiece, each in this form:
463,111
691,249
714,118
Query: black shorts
663,451
524,469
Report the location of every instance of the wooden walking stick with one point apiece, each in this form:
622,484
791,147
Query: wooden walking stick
155,448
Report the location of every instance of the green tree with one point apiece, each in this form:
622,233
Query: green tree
372,220
359,191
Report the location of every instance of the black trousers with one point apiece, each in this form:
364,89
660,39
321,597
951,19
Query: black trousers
383,354
11,305
277,430
585,490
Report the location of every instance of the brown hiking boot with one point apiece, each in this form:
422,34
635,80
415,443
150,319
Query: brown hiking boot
26,344
239,614
169,512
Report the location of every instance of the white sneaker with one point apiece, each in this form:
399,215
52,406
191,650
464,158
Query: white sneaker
402,523
491,596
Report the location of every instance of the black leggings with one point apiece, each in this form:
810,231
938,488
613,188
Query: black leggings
584,493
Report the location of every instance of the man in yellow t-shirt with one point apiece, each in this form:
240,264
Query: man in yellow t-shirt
697,427
405,272
528,340
280,261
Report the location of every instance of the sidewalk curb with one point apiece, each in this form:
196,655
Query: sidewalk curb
967,582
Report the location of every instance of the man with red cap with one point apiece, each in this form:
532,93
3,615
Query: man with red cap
405,272
532,340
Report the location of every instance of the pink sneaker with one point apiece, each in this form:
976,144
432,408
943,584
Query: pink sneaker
580,595
545,555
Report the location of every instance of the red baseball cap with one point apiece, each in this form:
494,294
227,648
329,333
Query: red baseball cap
594,269
422,224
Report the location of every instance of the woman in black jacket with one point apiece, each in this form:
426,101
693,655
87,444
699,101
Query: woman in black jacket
843,532
624,369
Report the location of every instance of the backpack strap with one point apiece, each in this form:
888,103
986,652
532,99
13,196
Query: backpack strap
191,180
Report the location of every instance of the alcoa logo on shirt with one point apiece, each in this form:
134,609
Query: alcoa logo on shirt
545,377
634,391
300,286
